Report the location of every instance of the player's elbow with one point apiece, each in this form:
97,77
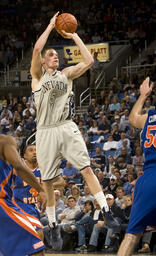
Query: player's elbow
91,62
37,49
132,120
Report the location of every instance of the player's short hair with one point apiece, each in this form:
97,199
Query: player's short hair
45,50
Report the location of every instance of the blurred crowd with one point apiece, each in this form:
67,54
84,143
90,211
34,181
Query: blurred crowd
116,158
22,21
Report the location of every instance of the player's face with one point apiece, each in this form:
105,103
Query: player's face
30,153
50,59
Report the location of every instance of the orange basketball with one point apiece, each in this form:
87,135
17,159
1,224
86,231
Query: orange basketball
66,22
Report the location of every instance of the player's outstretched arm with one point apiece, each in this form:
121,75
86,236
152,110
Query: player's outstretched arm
136,118
9,153
36,65
77,70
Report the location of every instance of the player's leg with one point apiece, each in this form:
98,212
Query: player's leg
95,187
128,244
40,233
50,208
59,183
20,229
75,151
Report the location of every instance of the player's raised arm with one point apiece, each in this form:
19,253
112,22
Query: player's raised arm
9,153
36,63
77,70
136,118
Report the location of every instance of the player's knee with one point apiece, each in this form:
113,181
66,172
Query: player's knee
59,183
86,172
133,238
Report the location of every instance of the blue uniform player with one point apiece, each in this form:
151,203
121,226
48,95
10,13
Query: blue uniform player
17,234
143,210
24,195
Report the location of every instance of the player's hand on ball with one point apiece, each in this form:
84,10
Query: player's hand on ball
67,35
53,19
42,200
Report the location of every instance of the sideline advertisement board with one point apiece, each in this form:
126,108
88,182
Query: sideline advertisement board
73,55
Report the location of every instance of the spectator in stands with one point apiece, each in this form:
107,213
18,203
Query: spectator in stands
30,109
75,192
138,158
100,226
126,208
82,125
103,127
121,166
67,217
105,106
59,204
98,160
31,124
96,113
94,128
91,107
18,138
114,105
110,144
5,123
122,108
121,141
127,186
132,134
86,195
5,112
71,173
148,105
84,224
110,164
120,198
146,240
85,137
124,121
112,186
125,155
119,180
115,131
104,181
11,130
102,98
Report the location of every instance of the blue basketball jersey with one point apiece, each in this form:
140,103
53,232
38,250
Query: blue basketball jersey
24,192
149,140
6,174
17,233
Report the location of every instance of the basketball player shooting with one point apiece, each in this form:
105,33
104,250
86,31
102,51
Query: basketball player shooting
57,135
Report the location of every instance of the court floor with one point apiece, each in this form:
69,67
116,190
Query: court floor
95,254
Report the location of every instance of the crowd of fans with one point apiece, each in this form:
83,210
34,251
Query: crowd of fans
22,21
116,158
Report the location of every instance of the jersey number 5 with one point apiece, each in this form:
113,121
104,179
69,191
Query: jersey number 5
151,138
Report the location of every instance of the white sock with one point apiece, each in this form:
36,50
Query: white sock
50,210
101,200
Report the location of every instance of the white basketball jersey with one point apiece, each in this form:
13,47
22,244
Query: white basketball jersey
54,100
